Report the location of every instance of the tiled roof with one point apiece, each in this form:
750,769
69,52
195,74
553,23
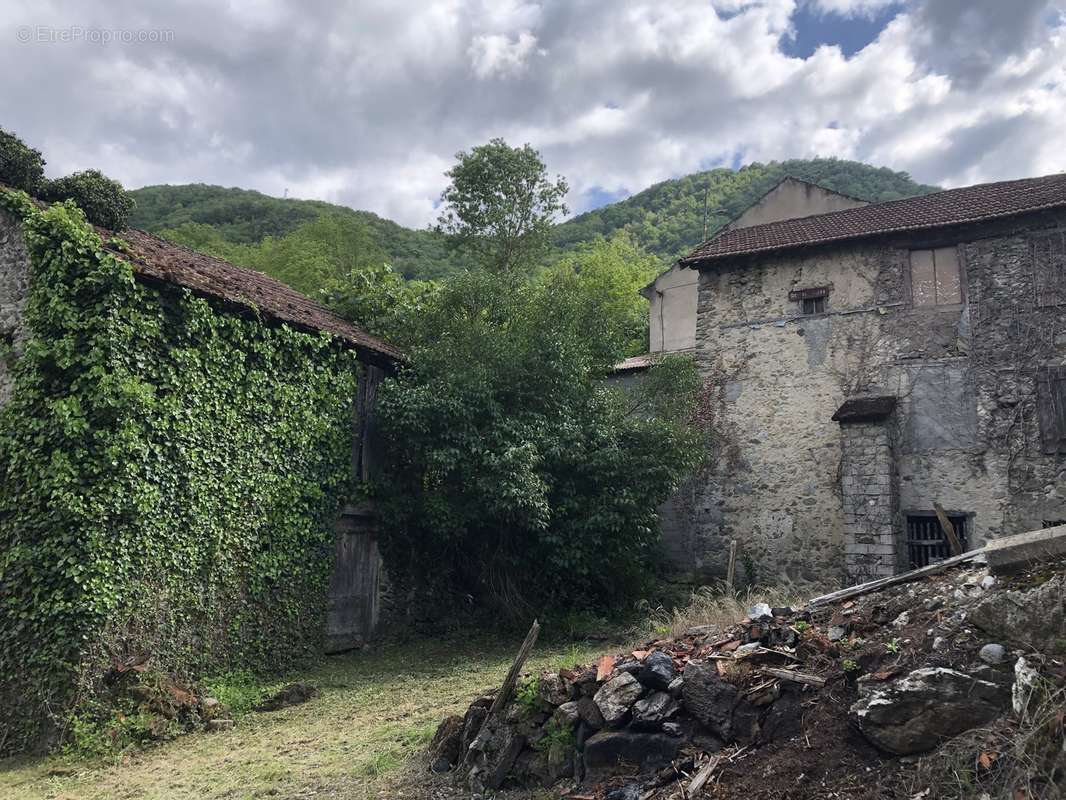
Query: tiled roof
158,259
635,362
979,203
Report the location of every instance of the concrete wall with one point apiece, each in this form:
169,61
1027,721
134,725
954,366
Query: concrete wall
793,198
965,428
672,314
673,295
14,288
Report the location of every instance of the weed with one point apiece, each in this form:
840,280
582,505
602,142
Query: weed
801,626
556,736
893,646
850,665
527,692
717,608
239,691
91,737
751,571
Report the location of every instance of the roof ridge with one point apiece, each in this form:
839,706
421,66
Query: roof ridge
960,205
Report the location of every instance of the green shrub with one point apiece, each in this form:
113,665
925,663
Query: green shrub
103,199
506,448
21,167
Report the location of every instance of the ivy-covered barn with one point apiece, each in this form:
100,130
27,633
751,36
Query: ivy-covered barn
178,440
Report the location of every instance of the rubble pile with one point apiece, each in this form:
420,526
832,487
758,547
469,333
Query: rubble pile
835,699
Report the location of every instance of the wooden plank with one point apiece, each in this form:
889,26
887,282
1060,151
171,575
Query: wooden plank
893,580
795,677
704,775
731,572
504,695
949,530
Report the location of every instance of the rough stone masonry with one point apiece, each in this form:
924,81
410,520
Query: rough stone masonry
959,327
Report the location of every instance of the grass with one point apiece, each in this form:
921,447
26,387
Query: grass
718,610
359,738
362,737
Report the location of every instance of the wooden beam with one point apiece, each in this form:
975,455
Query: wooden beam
892,580
949,530
731,572
795,677
502,696
704,775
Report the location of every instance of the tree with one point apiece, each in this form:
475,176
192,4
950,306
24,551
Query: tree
21,167
516,474
610,273
379,300
500,205
103,199
315,257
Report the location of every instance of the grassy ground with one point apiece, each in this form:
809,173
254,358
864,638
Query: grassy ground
376,710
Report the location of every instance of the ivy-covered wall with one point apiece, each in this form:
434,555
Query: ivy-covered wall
171,475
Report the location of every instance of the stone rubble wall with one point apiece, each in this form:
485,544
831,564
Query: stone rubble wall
14,289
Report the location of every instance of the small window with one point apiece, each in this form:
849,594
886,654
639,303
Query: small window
1049,269
1051,408
935,277
812,300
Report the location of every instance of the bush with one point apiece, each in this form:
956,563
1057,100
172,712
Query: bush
103,200
517,475
21,167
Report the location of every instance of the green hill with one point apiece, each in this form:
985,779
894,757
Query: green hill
243,216
668,219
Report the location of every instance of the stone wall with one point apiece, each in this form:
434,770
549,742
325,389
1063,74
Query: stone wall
14,288
870,489
965,432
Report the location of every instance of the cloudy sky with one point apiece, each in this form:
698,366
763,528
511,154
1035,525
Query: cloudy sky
365,103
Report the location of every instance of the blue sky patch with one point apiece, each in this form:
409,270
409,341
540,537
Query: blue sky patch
814,28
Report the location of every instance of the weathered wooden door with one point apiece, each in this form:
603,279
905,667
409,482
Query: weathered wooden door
352,611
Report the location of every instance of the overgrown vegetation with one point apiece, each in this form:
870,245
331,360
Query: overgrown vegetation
505,449
171,480
103,200
504,445
21,166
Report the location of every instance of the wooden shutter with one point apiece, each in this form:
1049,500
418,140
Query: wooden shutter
1051,408
1049,268
923,278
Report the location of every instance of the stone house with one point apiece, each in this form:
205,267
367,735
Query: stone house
873,362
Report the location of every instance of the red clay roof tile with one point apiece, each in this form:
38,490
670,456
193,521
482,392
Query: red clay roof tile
978,203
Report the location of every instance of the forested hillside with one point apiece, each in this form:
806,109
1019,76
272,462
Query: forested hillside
667,219
672,217
244,217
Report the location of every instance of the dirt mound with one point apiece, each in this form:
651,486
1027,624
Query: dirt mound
844,698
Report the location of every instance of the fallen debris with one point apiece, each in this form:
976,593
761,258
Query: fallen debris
821,697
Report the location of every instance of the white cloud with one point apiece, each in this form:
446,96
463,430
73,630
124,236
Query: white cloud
366,104
499,55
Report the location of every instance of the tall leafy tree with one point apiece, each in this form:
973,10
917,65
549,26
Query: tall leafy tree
500,205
